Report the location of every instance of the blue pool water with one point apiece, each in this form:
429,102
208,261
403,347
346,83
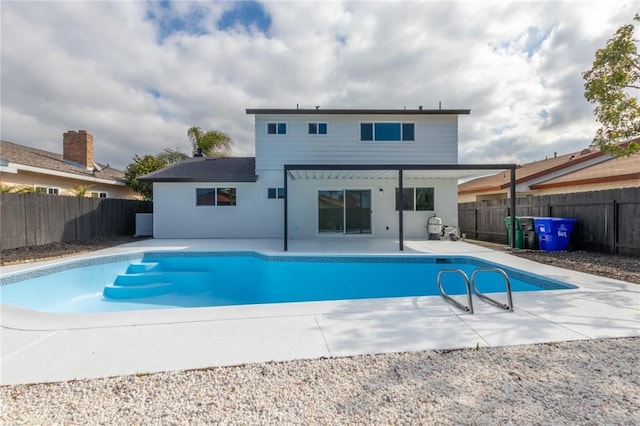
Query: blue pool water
169,280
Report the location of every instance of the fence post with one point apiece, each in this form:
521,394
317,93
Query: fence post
475,222
614,246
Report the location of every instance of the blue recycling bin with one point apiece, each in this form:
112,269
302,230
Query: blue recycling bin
554,233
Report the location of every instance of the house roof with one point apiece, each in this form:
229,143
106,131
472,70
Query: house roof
202,169
332,111
612,170
529,171
16,154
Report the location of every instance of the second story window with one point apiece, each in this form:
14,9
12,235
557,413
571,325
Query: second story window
387,132
317,128
276,128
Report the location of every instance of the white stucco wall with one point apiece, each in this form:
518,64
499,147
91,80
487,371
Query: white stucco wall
255,216
303,206
177,216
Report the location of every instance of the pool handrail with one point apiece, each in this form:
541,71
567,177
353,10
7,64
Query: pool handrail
509,305
469,307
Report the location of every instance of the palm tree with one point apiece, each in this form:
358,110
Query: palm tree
212,143
80,190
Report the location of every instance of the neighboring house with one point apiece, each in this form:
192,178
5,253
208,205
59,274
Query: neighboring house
586,170
47,172
613,173
333,172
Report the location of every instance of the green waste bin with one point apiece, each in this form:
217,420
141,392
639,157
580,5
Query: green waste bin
507,222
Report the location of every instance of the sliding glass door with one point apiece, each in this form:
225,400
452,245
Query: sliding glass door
345,211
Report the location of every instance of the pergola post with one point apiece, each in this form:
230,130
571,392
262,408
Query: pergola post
513,207
286,209
400,212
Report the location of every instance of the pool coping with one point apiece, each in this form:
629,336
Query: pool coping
600,307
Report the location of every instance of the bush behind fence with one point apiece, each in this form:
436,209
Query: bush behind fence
36,219
608,221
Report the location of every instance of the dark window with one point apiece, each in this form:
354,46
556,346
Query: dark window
273,193
205,196
408,132
226,197
387,131
425,199
366,131
317,128
407,198
276,128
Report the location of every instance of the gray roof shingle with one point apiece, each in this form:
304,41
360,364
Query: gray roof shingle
226,169
27,156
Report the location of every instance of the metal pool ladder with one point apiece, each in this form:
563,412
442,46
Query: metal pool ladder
470,283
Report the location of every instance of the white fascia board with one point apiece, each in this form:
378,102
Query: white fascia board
7,169
65,174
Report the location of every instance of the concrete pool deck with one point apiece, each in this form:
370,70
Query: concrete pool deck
39,347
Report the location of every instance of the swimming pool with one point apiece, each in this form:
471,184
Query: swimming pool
159,280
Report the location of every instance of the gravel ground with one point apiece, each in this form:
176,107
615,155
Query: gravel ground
57,250
595,382
623,268
572,383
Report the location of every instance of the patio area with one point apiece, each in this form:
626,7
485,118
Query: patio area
39,347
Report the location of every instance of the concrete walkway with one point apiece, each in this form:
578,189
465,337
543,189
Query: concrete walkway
40,347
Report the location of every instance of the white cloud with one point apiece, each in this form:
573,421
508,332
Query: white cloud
118,70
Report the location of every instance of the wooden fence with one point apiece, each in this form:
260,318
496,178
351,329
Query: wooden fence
36,219
608,221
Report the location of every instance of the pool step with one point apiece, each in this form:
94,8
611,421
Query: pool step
155,283
114,291
140,267
127,279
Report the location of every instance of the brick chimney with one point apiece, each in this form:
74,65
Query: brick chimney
78,147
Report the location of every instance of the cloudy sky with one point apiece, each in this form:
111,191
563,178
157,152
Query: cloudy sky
138,74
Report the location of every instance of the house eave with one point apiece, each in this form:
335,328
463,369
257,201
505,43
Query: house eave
588,181
284,111
247,179
40,170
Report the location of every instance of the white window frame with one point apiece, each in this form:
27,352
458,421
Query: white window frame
318,123
280,195
215,197
415,198
49,190
373,124
99,194
277,124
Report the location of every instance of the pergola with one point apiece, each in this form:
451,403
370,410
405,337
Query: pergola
324,171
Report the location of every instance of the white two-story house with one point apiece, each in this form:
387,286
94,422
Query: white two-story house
320,173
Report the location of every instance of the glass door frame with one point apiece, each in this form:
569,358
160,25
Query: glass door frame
343,231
